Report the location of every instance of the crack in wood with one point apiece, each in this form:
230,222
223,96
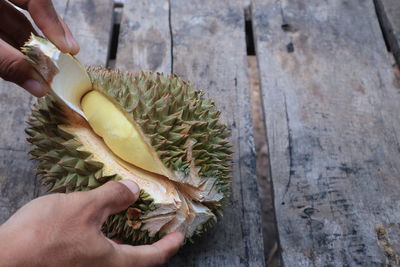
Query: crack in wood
242,227
387,12
171,34
380,13
114,35
248,19
290,151
282,13
263,169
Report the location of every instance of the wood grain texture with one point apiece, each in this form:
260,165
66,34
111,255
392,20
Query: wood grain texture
389,14
91,25
145,40
209,49
333,126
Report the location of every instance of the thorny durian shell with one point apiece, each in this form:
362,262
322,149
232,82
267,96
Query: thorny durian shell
169,111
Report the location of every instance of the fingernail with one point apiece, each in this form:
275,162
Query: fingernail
132,186
71,42
35,88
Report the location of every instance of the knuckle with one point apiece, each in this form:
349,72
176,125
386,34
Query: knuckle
10,68
50,14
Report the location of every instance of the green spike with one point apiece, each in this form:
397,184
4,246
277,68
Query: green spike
82,180
92,182
80,168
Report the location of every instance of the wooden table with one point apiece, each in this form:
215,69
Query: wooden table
331,96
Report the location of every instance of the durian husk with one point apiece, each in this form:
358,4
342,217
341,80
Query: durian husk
179,124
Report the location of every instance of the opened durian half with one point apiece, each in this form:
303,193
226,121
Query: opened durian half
155,130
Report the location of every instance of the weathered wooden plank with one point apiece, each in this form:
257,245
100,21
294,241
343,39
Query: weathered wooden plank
91,26
332,120
144,42
389,15
14,104
17,182
209,49
270,233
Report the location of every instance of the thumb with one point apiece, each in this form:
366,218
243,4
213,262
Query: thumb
14,68
112,198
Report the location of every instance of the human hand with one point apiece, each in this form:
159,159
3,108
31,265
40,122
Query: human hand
15,30
64,230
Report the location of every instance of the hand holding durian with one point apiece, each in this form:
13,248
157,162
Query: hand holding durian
15,30
63,230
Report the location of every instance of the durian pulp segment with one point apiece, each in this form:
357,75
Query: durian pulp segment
120,134
68,78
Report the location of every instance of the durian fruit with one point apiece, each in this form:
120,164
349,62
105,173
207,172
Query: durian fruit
153,129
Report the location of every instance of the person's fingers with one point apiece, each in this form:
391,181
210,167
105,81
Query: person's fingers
8,39
169,245
14,68
156,254
46,18
14,24
111,198
75,48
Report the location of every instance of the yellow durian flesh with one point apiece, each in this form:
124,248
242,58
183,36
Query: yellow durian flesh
119,134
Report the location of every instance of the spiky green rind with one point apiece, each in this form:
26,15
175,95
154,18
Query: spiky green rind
65,167
170,113
167,110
